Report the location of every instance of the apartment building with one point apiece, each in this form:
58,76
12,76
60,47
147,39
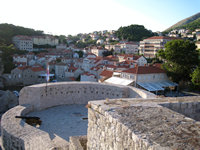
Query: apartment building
150,46
43,40
23,42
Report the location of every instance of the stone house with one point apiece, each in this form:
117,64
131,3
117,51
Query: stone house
31,62
96,71
52,66
73,72
31,75
61,46
110,60
66,60
17,75
27,75
88,77
67,53
60,70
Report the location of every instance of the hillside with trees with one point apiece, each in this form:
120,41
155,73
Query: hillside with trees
7,31
181,24
133,33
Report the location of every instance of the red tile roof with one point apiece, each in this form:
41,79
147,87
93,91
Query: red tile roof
67,51
164,37
157,65
88,74
110,66
71,69
53,62
21,56
95,68
144,70
37,65
30,53
36,69
73,78
106,73
22,67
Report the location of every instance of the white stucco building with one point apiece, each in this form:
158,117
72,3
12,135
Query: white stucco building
97,50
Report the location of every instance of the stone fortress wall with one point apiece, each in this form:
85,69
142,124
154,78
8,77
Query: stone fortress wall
121,117
64,93
135,124
16,134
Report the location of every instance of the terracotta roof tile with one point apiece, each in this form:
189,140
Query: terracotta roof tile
106,73
36,69
73,78
157,65
164,37
88,74
22,67
144,70
71,69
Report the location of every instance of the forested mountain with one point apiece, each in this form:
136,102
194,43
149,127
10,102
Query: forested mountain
7,31
184,22
191,26
133,33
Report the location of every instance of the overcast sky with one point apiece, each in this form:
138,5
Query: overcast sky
84,16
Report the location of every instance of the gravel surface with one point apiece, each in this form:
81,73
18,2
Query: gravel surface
63,121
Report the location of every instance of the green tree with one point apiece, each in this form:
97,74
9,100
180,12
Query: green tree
181,59
80,53
195,75
6,56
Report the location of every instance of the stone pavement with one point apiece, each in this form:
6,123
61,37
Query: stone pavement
61,122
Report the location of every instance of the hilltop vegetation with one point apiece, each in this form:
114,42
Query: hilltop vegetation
133,33
192,26
7,31
183,23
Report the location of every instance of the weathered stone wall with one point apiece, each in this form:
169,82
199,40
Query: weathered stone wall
62,93
78,143
16,134
143,124
191,109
